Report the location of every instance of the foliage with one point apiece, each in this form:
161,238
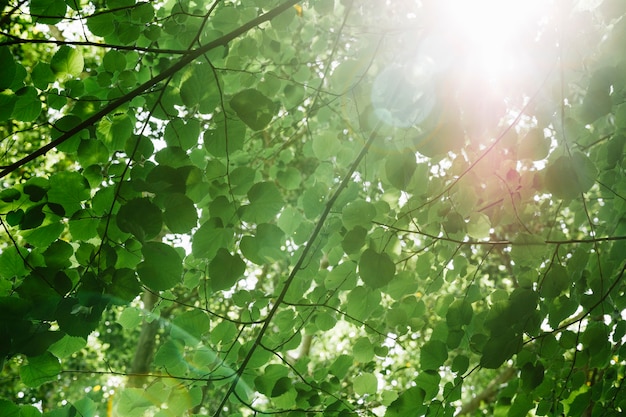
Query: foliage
310,208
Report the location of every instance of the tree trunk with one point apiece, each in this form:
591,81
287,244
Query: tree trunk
145,346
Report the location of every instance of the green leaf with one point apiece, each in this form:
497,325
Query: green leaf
124,286
376,269
532,375
459,314
362,301
8,409
354,240
460,364
44,235
478,226
58,255
199,88
325,145
341,365
47,12
409,404
520,406
28,104
225,270
429,382
180,214
225,138
358,213
253,108
92,152
363,350
8,68
290,178
210,237
67,346
265,203
7,104
69,189
534,145
42,75
101,24
83,225
161,268
190,326
568,177
366,383
40,369
555,281
170,357
12,263
29,411
399,169
142,13
281,386
114,61
528,250
140,217
114,131
130,318
499,348
433,354
183,134
67,60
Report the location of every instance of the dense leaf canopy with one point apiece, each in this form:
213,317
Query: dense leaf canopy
324,207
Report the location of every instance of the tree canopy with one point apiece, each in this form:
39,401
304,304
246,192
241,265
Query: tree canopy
312,208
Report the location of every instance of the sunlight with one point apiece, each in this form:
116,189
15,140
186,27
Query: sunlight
492,35
484,49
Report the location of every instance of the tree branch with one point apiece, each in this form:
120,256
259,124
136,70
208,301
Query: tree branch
488,394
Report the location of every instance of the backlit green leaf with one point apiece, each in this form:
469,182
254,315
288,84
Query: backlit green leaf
161,268
433,354
27,105
40,369
225,270
408,404
528,250
399,169
190,326
101,24
376,269
568,177
8,69
358,213
47,12
253,108
140,217
265,203
67,61
69,189
180,214
365,383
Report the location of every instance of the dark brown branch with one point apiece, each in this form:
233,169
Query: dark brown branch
500,242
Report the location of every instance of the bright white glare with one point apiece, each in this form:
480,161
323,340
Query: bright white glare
488,32
484,49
